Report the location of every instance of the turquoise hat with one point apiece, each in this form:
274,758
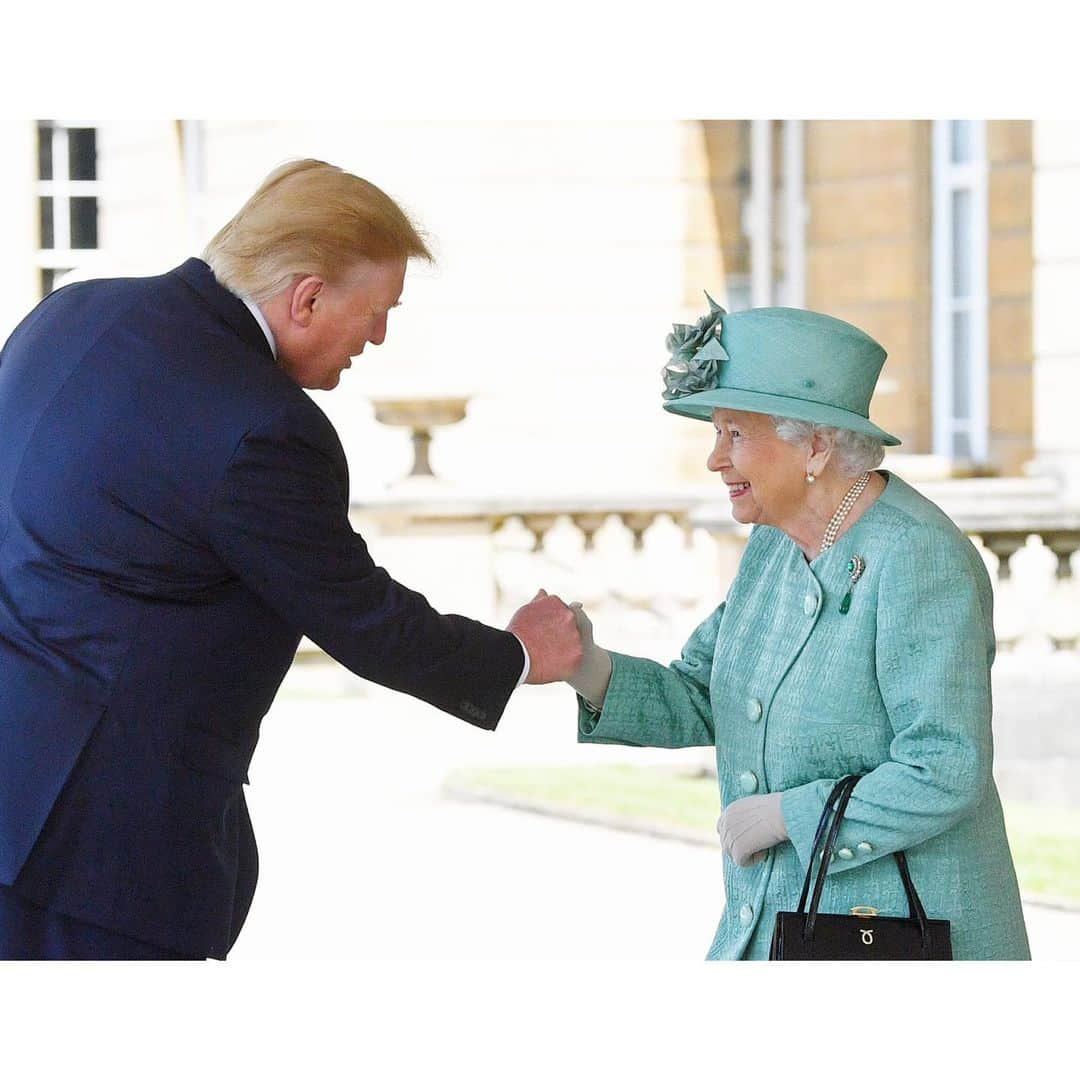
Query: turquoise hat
783,361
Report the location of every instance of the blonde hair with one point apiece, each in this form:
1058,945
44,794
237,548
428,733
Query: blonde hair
308,217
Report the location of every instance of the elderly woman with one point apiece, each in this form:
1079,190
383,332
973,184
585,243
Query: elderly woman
857,637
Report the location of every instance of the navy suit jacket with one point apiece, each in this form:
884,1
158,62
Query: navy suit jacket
173,517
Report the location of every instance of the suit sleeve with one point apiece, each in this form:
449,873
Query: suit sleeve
647,704
934,648
280,522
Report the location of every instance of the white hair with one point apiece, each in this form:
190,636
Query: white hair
855,453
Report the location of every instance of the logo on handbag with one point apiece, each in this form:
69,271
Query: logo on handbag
867,937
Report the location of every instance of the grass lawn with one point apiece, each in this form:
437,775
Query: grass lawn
1045,842
656,797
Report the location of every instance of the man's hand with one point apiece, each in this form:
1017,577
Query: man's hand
549,631
749,826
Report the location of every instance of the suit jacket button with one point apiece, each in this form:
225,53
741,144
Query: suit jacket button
865,848
845,853
809,604
746,915
753,710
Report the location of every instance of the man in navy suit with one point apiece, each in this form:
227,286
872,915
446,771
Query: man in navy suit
173,518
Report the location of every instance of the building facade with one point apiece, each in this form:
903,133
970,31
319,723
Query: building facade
565,250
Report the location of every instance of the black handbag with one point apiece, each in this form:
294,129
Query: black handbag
862,935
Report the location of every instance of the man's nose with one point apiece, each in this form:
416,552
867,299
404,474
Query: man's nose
380,332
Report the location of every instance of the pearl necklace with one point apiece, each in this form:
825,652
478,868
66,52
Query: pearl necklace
843,510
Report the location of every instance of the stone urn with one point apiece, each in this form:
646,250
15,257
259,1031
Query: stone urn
421,416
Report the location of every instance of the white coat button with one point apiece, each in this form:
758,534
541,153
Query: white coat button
809,605
753,710
746,915
845,853
748,782
865,848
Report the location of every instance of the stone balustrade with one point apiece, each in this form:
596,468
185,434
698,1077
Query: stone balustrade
650,566
667,553
1027,538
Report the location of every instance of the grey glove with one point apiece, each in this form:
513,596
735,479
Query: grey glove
591,677
748,827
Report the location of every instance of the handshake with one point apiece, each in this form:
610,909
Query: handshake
559,640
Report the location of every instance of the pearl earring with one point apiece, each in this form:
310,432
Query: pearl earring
810,477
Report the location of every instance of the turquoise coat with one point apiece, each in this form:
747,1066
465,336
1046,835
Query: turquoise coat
795,694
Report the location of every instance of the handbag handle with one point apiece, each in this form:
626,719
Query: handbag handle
823,823
836,803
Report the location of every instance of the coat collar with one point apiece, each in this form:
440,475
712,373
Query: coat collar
227,305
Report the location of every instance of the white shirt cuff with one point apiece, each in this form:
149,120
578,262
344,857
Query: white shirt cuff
525,672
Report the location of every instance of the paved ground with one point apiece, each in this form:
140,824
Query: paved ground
346,801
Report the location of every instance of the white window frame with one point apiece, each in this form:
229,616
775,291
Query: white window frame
948,178
62,256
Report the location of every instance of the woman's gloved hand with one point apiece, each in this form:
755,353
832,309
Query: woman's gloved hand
750,826
593,674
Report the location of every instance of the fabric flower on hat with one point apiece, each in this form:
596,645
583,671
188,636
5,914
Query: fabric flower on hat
696,354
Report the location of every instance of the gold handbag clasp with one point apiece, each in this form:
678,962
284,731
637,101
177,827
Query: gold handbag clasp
864,911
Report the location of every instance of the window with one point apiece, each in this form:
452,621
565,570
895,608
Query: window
67,198
960,332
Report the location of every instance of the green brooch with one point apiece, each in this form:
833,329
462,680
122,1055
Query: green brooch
855,567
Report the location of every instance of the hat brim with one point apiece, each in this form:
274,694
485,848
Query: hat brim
700,406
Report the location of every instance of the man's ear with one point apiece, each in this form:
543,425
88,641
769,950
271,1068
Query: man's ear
306,295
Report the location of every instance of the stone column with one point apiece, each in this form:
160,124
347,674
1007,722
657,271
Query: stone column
1008,148
1056,328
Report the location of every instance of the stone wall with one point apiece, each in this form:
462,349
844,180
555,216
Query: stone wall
1056,288
868,253
1010,270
